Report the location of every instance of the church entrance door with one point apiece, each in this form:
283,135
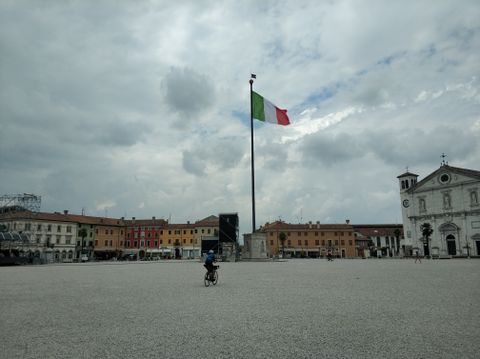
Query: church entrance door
451,246
478,248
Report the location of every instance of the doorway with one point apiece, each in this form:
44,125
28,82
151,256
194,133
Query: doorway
478,247
451,245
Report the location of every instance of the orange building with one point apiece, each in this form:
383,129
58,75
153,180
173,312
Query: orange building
109,238
310,240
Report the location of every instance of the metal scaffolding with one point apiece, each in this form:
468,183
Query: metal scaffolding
26,201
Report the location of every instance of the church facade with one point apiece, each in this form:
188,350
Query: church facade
449,200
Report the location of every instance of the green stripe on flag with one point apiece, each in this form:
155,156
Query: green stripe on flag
258,108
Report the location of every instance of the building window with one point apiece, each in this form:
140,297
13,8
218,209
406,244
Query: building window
59,228
271,242
299,242
69,229
96,242
323,242
208,231
148,243
91,234
135,244
111,243
342,242
316,233
49,227
299,234
184,241
106,243
39,227
68,240
317,242
305,242
322,234
350,242
305,234
336,242
289,242
169,241
387,241
378,242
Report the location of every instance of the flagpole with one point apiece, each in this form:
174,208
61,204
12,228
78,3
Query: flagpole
251,139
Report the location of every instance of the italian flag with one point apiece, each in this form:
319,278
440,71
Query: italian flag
266,111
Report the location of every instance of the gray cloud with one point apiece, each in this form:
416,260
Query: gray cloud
188,92
329,149
222,155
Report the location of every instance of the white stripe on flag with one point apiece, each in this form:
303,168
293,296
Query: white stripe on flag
270,111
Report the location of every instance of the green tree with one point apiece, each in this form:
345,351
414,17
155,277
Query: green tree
282,237
82,233
427,231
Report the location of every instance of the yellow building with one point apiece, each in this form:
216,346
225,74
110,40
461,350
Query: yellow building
310,240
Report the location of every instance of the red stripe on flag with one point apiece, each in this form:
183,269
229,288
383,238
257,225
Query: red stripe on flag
282,117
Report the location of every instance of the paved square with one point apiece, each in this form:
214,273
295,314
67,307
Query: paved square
294,309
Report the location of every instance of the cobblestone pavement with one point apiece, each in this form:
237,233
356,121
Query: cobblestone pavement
294,309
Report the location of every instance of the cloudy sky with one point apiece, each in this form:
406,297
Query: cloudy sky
142,108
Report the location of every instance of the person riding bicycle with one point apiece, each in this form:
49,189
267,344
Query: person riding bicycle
209,261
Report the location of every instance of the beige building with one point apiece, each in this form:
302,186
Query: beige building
310,239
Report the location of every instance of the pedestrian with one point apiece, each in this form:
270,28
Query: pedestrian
329,256
417,257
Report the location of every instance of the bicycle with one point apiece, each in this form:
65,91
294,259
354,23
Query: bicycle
211,277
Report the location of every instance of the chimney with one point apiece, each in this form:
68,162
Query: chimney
153,217
318,224
133,218
347,221
188,222
123,218
310,224
65,211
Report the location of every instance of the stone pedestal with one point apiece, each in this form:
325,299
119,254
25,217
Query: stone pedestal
255,246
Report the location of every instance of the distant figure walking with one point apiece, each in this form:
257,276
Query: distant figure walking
329,256
417,257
